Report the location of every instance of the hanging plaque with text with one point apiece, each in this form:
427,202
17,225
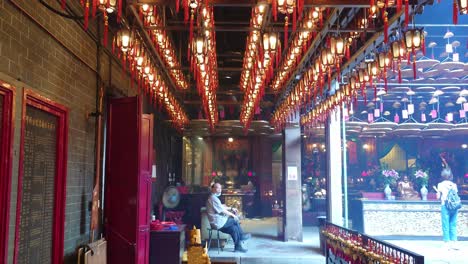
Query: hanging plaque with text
37,200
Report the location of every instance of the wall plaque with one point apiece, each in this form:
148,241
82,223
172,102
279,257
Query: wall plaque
39,170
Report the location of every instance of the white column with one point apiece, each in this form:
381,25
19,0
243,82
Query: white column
334,155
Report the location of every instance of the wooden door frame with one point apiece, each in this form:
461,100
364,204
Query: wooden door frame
6,157
31,98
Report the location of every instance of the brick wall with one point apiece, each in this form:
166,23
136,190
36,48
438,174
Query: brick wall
31,58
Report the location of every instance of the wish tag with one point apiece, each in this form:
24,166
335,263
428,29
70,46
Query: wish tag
465,107
423,117
449,117
462,113
404,114
411,109
370,117
433,113
396,118
376,112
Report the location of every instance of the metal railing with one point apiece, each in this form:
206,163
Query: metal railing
342,245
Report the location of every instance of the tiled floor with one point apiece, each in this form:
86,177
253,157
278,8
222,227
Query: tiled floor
264,248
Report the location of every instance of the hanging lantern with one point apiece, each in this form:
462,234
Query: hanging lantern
413,38
108,5
462,6
340,46
396,50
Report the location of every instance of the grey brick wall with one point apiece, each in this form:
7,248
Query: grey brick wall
31,58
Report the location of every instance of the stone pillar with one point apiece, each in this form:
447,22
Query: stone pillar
292,215
334,157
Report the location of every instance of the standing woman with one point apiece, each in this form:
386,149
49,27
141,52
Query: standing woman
449,217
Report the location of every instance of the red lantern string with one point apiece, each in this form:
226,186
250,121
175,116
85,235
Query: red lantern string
399,4
186,11
64,4
177,6
414,66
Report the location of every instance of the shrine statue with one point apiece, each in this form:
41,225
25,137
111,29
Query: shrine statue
406,191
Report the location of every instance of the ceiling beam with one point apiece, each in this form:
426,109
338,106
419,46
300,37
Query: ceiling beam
247,3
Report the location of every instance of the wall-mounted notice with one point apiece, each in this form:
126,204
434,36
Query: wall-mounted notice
292,173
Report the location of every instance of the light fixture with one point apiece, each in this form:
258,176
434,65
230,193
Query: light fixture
462,6
230,139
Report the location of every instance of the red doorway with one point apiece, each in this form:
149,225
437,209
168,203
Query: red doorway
128,181
40,210
7,95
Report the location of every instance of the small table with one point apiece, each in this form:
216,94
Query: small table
167,246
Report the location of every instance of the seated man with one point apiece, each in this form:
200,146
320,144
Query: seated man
222,219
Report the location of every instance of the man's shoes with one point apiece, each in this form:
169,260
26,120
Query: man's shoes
239,248
245,236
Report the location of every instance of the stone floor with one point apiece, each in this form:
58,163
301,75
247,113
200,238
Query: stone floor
264,248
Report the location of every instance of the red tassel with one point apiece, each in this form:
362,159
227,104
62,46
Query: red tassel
106,28
385,29
406,13
119,11
274,11
94,7
64,4
398,6
399,75
191,29
294,20
177,6
286,35
348,55
301,6
186,12
423,45
455,13
414,66
86,15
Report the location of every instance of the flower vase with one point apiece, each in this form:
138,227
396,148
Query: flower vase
424,193
387,191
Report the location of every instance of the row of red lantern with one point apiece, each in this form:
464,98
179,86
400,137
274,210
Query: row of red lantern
165,48
204,64
311,86
312,20
322,111
252,44
260,54
128,46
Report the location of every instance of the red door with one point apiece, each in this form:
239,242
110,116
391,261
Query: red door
127,195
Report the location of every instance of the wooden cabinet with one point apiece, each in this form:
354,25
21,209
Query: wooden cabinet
167,246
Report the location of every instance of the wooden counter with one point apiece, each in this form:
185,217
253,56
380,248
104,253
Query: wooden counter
403,218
